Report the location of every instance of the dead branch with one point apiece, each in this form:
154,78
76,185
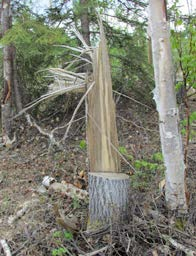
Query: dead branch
50,135
25,207
76,109
138,126
97,251
177,245
130,98
5,247
69,190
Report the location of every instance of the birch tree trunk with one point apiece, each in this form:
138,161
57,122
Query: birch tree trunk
164,95
6,103
108,188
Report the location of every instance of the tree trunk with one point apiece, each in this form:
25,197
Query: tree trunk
84,19
108,198
6,104
85,31
108,188
17,90
164,95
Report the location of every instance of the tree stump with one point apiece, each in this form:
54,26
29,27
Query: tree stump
108,198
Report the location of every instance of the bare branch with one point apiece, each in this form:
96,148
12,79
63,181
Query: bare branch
5,247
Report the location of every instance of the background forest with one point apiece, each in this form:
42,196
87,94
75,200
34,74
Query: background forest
36,219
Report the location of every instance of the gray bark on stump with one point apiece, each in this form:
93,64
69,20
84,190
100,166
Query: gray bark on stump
108,198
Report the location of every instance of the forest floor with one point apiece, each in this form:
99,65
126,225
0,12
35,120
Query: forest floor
31,216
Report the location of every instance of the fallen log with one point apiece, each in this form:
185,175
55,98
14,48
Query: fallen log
69,190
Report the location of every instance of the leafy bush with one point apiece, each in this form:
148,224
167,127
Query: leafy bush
146,171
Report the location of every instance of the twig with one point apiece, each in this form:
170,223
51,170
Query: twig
49,96
62,127
138,126
179,246
187,133
97,251
129,243
22,211
20,248
76,109
191,159
128,97
5,247
50,135
83,236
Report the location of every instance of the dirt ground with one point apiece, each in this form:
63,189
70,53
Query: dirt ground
38,230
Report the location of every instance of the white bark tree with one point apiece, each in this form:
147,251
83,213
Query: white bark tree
164,95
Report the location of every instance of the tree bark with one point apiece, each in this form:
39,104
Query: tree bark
84,19
6,103
85,31
108,198
164,95
17,90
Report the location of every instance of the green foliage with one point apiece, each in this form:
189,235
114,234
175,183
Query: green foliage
75,203
68,235
180,224
82,144
146,171
124,152
59,251
157,157
59,238
126,36
183,38
35,51
60,234
143,165
129,62
192,119
57,234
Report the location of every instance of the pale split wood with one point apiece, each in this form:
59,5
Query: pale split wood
116,149
100,105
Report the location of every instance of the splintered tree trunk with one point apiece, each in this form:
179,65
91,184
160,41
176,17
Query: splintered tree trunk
164,95
6,105
108,188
